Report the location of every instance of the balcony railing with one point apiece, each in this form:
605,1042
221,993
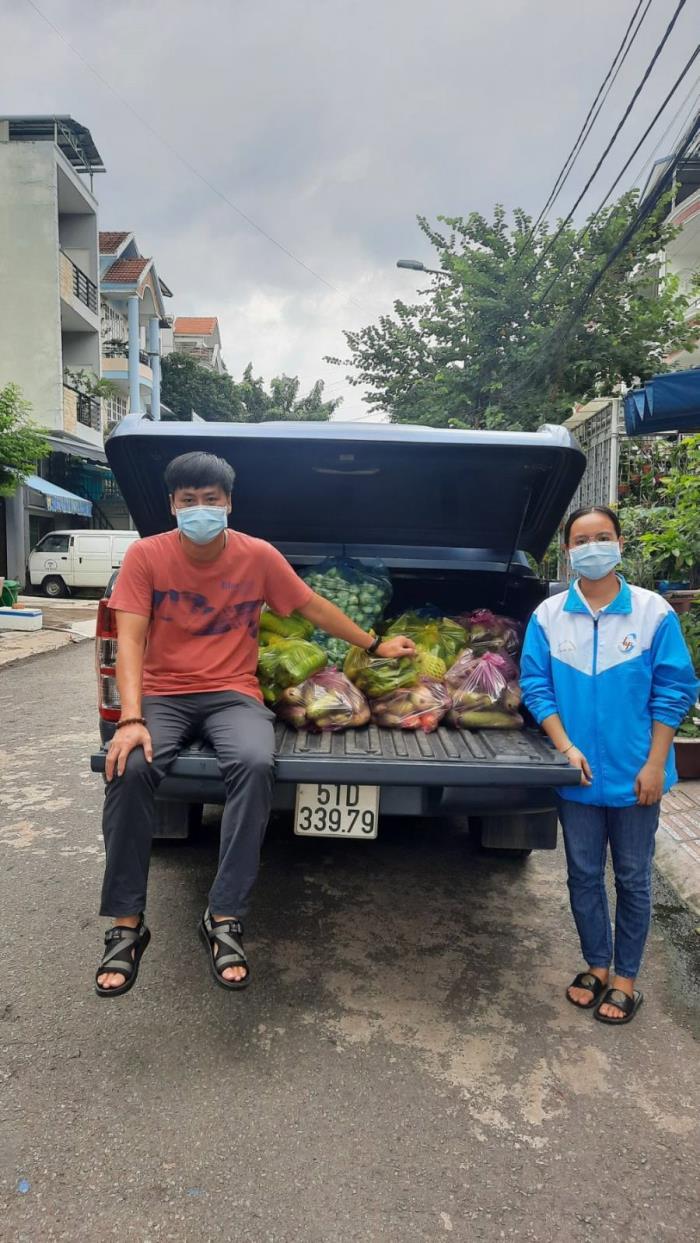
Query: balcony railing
87,410
83,288
118,349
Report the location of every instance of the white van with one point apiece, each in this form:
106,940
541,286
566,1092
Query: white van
65,559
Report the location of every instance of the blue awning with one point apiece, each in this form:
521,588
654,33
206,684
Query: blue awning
57,499
666,403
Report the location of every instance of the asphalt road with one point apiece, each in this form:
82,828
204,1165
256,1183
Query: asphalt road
404,1066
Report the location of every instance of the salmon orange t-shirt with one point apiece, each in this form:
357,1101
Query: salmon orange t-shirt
203,634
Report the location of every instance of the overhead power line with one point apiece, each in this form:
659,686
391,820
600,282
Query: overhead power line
682,110
593,113
647,73
688,66
646,208
184,161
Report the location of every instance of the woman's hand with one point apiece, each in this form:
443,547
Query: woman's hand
392,649
123,743
578,760
649,784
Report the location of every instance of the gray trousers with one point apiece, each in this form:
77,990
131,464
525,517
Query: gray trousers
241,732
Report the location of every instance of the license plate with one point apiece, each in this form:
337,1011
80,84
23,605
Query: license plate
336,811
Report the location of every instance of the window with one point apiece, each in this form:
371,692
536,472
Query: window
55,543
115,408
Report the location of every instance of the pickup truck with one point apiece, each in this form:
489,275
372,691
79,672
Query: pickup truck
452,515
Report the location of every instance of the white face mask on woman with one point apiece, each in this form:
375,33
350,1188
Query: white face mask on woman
595,559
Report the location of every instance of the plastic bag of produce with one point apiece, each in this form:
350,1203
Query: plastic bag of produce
326,701
419,707
439,637
485,692
374,675
489,632
293,627
287,664
361,591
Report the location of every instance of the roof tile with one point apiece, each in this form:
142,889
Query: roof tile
110,242
125,271
195,326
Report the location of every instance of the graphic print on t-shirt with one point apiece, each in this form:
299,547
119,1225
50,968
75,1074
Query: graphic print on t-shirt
228,617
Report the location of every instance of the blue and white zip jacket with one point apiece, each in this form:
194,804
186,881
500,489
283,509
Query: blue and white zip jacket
609,677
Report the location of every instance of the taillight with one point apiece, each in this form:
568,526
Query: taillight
105,663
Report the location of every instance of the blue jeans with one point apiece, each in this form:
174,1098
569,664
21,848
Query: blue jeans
630,831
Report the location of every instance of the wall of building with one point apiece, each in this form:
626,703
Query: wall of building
78,237
30,332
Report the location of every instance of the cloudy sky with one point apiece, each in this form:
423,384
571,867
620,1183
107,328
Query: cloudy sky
331,124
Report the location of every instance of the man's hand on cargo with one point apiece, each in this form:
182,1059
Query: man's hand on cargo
395,647
123,743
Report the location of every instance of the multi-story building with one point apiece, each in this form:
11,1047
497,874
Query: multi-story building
49,310
133,320
199,337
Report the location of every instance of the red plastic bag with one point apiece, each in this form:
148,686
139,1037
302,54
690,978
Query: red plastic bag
326,701
415,707
485,692
489,632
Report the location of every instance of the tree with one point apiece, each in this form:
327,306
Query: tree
186,386
513,336
22,444
283,401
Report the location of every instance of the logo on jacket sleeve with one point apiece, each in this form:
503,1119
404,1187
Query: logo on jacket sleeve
628,644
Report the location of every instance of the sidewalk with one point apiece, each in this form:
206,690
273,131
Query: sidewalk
678,839
65,622
678,842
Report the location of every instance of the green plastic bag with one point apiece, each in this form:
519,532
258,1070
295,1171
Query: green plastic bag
375,676
360,591
288,663
439,637
293,627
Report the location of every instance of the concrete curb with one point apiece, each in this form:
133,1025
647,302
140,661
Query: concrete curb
679,869
61,640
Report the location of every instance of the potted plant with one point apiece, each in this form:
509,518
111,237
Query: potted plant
687,744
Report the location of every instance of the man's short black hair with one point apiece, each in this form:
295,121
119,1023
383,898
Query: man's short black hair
199,470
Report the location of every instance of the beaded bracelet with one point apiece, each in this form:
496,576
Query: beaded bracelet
130,720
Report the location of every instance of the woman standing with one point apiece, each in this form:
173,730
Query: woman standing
606,673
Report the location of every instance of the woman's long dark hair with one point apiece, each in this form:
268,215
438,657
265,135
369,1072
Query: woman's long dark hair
592,509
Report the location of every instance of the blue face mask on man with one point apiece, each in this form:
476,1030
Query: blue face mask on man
202,523
596,559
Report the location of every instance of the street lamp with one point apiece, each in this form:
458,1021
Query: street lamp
415,265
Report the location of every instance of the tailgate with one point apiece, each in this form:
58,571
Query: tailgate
398,757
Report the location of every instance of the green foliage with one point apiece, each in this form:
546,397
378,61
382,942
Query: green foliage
283,401
187,386
22,444
640,563
88,384
677,543
690,625
490,345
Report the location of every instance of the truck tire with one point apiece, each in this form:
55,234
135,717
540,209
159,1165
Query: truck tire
54,587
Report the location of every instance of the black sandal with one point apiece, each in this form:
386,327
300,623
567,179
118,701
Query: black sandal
226,936
586,979
119,942
621,1001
